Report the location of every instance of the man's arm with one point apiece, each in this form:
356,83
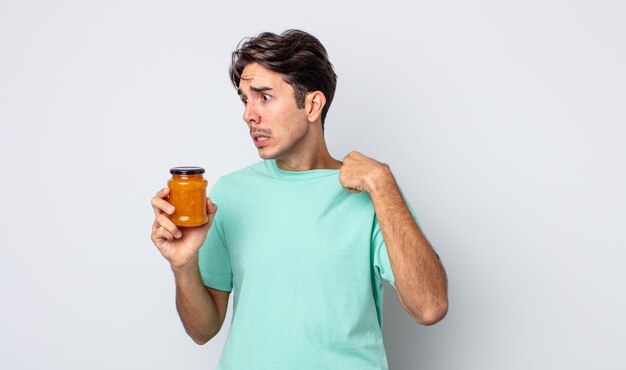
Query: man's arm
201,309
420,278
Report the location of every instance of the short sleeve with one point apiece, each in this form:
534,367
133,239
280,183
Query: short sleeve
214,261
379,248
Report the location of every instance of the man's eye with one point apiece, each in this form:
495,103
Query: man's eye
266,97
244,101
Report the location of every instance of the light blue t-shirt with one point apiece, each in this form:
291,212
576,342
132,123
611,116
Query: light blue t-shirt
305,259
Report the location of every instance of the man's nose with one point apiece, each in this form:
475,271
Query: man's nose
251,114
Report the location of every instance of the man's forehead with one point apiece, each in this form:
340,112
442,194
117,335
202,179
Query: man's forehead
259,89
257,81
255,77
256,72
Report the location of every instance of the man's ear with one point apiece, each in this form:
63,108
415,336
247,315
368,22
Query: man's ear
314,102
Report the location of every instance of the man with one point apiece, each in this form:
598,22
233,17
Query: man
301,238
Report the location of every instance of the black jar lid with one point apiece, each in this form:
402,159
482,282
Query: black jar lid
186,170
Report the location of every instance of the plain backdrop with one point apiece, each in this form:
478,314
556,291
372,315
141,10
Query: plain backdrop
503,122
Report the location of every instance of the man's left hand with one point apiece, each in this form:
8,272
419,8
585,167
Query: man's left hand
362,173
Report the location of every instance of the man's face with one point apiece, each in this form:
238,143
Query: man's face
276,124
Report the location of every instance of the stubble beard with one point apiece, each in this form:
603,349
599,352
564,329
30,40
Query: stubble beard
293,150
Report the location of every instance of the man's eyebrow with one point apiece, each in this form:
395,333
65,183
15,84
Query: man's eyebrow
255,89
260,89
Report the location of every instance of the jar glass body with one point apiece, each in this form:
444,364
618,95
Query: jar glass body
188,196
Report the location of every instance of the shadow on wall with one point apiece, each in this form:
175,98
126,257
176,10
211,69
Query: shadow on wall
409,345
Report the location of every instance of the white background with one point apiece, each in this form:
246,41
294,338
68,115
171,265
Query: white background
502,121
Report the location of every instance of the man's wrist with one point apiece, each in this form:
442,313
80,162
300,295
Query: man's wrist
381,179
186,269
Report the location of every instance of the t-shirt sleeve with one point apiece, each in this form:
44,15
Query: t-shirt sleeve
380,255
214,261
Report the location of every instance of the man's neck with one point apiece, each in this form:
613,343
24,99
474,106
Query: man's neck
311,155
306,164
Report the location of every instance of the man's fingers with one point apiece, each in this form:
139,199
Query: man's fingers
168,225
159,205
163,192
162,233
351,190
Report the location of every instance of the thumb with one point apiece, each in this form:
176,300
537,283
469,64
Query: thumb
211,211
210,206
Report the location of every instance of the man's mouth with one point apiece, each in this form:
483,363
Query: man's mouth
260,138
260,141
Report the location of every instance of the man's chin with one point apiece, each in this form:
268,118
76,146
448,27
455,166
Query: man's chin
266,155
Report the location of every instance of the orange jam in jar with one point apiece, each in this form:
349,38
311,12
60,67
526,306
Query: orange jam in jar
188,196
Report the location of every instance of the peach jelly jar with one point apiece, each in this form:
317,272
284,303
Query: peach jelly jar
188,196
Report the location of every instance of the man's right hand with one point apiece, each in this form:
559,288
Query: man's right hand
178,245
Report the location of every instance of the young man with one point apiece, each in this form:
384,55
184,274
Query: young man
301,238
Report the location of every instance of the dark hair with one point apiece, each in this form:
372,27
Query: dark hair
298,56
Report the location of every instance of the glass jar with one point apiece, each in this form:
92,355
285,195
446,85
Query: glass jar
188,196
